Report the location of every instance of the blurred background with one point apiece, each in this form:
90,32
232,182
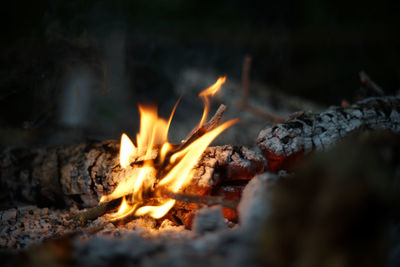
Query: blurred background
74,71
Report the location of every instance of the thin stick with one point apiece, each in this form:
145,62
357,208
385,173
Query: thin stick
206,127
95,212
244,103
246,79
365,79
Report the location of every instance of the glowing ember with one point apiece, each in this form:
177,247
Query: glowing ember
179,165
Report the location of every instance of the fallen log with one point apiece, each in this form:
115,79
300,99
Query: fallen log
78,175
285,143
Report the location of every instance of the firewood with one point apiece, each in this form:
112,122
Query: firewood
285,143
80,174
63,175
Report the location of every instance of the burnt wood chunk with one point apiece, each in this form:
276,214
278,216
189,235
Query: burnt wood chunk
224,163
79,175
285,143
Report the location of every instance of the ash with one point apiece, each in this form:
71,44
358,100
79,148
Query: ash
30,234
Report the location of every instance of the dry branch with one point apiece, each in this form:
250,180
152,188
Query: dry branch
285,142
366,80
244,103
95,212
246,79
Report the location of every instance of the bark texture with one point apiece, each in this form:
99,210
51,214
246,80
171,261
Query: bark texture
81,174
286,142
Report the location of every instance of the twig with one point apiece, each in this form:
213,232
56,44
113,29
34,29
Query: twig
365,79
244,103
246,79
95,212
206,127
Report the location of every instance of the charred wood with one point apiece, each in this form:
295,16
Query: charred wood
284,143
80,174
70,174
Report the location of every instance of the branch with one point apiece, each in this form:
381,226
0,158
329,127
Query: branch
206,127
95,212
246,79
365,79
244,104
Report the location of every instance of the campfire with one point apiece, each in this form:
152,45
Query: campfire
158,171
153,203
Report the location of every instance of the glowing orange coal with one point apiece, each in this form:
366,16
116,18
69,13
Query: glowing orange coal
153,136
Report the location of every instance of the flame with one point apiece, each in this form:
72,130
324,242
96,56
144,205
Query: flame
141,181
205,94
127,150
124,210
156,212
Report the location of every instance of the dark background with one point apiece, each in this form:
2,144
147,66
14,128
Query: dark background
118,53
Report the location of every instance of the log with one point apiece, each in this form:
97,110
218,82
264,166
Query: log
286,143
64,175
78,175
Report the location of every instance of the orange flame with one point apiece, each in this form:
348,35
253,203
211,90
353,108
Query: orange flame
205,94
127,150
124,210
153,137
